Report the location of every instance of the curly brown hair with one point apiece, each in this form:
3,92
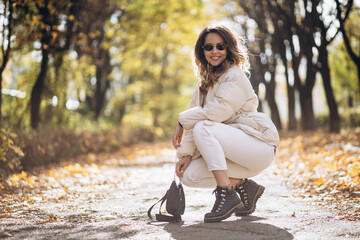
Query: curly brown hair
236,55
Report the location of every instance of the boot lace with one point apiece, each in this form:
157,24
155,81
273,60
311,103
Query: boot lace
243,196
220,199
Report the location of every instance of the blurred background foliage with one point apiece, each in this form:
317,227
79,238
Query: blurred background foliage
82,76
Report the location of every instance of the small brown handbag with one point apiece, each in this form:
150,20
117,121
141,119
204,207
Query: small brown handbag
175,202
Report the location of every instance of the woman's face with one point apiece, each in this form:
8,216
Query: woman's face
214,49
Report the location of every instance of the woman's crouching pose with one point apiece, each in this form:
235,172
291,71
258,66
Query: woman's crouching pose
226,140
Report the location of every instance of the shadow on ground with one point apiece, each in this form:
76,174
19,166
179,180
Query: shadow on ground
97,231
245,228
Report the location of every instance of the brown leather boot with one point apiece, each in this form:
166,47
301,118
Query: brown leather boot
227,202
249,192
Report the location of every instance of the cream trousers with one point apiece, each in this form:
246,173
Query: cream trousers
223,147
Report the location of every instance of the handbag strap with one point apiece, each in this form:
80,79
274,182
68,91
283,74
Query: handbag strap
162,200
167,218
175,160
162,217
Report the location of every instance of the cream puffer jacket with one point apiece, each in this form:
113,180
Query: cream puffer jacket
231,101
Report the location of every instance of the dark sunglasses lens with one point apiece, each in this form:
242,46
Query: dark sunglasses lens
208,47
221,46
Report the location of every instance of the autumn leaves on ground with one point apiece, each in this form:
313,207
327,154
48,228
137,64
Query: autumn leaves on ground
324,167
321,166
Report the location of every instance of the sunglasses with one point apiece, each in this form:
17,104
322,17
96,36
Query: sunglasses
209,47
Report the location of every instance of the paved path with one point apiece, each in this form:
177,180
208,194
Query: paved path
135,186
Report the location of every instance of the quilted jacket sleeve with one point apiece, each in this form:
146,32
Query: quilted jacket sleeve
232,93
188,146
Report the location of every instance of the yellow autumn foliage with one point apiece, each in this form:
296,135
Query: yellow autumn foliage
76,169
324,165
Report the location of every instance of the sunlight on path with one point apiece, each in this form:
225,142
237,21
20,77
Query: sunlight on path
107,197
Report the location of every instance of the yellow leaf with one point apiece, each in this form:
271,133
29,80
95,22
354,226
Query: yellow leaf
319,181
356,180
30,181
355,170
23,175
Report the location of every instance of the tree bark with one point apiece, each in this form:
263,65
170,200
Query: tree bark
36,93
256,11
37,90
307,113
355,58
290,92
323,67
103,69
279,39
305,90
256,79
270,97
5,50
334,117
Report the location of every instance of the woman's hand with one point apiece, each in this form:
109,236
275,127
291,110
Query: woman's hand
177,136
182,165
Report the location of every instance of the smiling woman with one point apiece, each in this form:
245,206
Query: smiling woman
214,49
226,140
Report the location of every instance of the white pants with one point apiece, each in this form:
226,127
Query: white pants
225,148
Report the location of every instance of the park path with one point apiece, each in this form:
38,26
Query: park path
110,202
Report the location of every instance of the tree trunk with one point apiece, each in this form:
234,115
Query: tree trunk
270,97
37,90
307,113
306,104
358,75
5,50
305,32
46,36
103,69
305,91
1,79
1,99
256,80
280,36
355,58
290,90
334,117
291,107
270,66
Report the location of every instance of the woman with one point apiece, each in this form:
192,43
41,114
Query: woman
226,140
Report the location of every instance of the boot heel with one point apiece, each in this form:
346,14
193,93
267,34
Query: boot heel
227,202
250,192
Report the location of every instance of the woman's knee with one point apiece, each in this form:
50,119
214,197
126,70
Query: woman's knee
198,127
200,130
191,175
187,179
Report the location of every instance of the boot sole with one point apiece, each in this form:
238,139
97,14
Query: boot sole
224,216
258,194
